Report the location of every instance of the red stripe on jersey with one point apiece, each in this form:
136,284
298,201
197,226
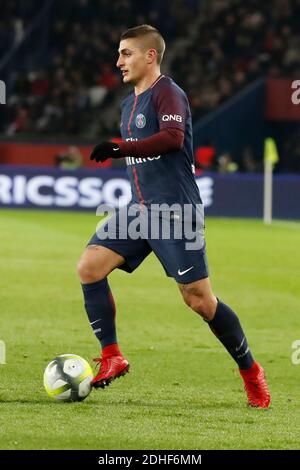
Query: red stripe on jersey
137,184
136,179
131,115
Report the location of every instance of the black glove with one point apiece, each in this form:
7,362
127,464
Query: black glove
104,151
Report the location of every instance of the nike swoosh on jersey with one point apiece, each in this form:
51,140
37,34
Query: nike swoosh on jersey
181,273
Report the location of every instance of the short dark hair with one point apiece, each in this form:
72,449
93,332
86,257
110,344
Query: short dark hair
152,35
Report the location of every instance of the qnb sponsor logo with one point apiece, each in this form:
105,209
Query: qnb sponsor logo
64,191
296,94
206,188
134,160
2,92
172,117
2,352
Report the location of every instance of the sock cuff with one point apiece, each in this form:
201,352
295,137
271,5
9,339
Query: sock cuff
94,285
219,303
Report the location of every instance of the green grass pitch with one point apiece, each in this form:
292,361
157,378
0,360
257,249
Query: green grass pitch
183,391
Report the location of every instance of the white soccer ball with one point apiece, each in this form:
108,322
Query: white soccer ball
68,378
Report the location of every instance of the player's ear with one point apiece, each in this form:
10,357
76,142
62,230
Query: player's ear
151,56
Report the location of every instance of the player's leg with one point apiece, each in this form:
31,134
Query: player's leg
225,324
93,268
187,264
97,262
198,295
102,256
221,319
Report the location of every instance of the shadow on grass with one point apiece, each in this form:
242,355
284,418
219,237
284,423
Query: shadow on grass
43,402
159,404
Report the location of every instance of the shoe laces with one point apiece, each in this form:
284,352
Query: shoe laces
98,360
101,362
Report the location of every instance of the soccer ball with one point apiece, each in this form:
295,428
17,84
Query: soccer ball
68,378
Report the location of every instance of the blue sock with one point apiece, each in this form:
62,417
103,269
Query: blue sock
227,328
100,307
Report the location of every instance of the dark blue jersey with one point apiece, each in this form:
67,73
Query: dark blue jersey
167,178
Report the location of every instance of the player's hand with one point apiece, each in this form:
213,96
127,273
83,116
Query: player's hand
105,150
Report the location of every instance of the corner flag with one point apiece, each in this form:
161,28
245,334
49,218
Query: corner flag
270,159
270,151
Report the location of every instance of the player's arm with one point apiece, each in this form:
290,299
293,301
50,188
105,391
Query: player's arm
164,141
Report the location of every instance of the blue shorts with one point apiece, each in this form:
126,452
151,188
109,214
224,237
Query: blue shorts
180,249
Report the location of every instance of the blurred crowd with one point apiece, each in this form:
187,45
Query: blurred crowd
215,49
235,43
15,17
69,94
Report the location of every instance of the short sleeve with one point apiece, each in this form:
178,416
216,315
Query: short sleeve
171,105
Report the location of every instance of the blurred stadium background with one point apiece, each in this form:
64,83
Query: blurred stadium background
237,60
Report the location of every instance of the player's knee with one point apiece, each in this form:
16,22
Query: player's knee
199,306
83,269
204,306
86,270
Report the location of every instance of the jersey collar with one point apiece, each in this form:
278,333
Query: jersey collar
151,86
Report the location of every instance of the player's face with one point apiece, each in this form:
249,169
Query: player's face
132,60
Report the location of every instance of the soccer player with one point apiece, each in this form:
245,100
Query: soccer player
156,131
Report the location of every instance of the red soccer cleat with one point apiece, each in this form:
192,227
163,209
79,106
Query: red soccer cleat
256,386
111,367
